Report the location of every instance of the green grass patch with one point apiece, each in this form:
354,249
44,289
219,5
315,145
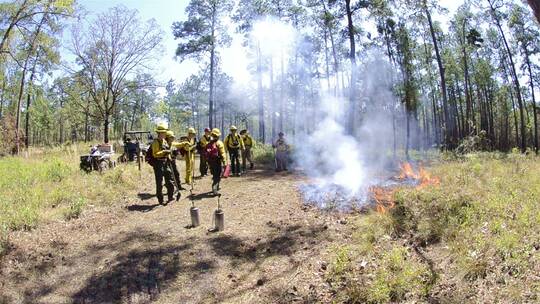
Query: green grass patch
481,222
47,184
263,154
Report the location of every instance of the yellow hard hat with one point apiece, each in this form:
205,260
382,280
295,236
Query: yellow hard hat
191,131
162,128
233,128
216,132
170,134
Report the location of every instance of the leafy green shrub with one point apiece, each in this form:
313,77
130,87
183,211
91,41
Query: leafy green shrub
56,170
263,154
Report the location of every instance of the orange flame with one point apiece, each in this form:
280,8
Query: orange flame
384,197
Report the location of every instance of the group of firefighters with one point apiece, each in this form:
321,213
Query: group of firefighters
165,150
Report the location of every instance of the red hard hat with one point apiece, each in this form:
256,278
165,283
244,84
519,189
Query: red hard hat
207,130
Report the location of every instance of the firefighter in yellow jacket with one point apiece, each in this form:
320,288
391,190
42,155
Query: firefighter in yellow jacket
203,141
188,146
214,153
249,142
160,150
233,144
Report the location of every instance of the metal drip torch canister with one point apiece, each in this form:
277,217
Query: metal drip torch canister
219,217
193,211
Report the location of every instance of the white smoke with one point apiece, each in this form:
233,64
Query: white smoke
341,163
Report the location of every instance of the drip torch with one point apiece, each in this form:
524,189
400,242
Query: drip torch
219,216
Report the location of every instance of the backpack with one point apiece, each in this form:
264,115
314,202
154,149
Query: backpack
211,152
149,156
235,141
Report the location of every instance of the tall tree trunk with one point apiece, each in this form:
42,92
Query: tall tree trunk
352,57
212,67
515,78
106,128
469,117
273,119
260,95
28,101
447,121
535,112
29,54
2,94
282,95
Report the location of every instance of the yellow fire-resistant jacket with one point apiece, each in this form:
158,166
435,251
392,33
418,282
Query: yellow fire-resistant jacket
204,141
248,141
158,145
186,145
229,142
221,148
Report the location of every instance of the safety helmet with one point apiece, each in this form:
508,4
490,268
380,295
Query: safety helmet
234,128
207,130
170,134
191,131
162,128
216,132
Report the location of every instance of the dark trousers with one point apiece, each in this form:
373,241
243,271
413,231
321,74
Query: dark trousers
203,165
163,171
234,154
215,169
176,174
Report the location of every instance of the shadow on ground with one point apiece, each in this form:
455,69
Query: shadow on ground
145,196
284,241
142,208
142,270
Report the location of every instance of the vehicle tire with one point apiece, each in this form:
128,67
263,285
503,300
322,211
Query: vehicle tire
103,165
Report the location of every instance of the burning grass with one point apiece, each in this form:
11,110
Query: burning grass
380,196
470,236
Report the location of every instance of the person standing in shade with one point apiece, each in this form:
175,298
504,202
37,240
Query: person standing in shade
161,153
282,151
214,153
203,141
233,145
249,142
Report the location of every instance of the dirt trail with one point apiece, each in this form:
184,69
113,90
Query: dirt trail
273,249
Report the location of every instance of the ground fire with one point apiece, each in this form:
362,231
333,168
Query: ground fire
383,196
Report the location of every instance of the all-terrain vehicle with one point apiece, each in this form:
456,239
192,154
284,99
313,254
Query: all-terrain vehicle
135,145
99,159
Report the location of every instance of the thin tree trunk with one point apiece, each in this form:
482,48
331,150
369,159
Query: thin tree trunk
352,57
535,113
212,67
260,95
448,125
272,100
2,93
514,75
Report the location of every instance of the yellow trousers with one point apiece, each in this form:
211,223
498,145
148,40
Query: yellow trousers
190,160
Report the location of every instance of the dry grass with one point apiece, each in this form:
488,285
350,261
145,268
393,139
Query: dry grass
44,185
479,228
